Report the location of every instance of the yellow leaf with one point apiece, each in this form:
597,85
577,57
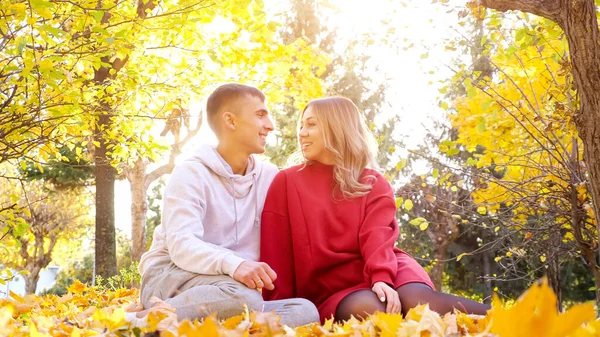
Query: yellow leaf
399,202
461,256
543,258
77,287
233,322
423,226
408,204
482,210
535,314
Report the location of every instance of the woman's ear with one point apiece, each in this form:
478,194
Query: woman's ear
229,120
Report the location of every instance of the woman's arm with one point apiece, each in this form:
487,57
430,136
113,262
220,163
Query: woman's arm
378,234
276,246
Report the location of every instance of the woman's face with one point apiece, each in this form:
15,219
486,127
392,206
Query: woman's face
312,141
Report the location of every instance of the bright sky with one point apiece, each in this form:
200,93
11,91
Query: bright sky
410,94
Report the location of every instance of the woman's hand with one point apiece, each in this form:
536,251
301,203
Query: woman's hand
386,293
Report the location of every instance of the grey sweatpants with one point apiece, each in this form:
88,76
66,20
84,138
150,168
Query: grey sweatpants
198,296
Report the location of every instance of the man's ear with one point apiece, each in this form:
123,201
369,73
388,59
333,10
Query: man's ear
229,120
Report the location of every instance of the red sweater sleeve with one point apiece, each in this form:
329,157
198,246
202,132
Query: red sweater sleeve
378,233
276,247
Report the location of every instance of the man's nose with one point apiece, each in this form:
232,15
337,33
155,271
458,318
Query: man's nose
269,126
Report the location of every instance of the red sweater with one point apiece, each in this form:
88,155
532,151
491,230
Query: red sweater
322,249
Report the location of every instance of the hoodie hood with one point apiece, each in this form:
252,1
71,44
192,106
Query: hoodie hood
237,185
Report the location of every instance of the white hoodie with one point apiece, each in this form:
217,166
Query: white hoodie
211,217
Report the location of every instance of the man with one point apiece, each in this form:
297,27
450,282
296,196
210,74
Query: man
203,258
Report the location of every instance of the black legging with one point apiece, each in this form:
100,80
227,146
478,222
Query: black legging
362,303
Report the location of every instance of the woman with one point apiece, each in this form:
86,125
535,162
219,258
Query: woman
329,228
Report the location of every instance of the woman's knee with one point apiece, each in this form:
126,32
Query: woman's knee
360,304
413,294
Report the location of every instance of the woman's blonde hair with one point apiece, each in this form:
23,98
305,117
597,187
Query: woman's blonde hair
349,139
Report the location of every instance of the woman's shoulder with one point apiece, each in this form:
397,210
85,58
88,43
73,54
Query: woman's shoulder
377,180
285,173
292,169
373,176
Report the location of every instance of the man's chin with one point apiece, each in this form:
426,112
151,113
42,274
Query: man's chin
259,150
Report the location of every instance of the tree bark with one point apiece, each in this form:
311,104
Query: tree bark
139,207
139,182
31,281
105,250
578,20
437,271
487,281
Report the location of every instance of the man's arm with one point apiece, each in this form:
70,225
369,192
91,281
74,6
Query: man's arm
183,211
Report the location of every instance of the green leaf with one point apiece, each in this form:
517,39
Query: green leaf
435,174
453,151
98,15
416,221
481,125
401,164
53,30
520,34
485,105
399,202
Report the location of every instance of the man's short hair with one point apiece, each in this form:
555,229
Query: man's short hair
224,94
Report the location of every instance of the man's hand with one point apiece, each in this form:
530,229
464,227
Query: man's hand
255,275
385,293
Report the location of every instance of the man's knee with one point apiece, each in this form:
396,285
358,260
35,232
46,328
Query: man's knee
307,312
249,297
298,311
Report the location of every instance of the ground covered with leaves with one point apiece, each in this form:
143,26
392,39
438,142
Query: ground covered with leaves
90,311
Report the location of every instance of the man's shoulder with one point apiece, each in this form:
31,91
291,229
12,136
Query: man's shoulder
269,168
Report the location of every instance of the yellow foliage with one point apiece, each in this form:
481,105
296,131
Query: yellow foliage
535,315
87,311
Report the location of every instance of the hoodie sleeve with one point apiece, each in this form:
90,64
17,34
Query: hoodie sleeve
183,211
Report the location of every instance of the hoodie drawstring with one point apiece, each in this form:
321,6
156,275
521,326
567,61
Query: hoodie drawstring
256,210
256,215
234,209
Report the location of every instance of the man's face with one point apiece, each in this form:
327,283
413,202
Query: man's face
252,124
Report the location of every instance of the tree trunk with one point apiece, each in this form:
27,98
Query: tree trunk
581,29
31,281
553,270
139,207
578,20
106,251
487,281
437,272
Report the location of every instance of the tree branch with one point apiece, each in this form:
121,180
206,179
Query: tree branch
549,9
